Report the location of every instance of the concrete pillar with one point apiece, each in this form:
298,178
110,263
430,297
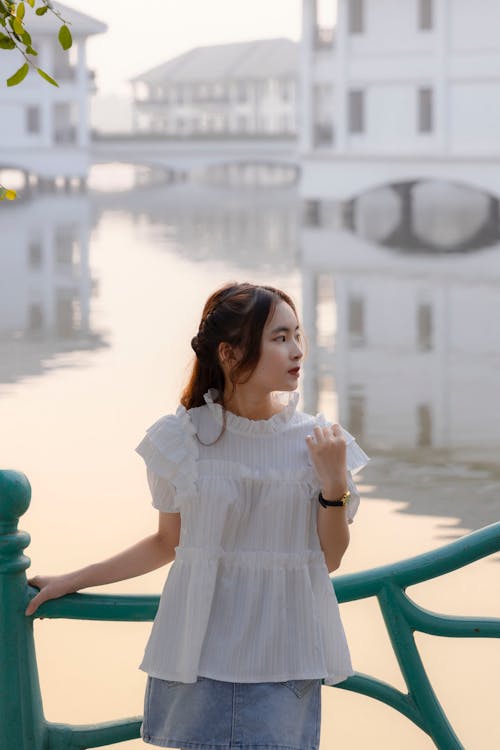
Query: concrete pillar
441,78
306,83
46,62
82,133
340,83
309,319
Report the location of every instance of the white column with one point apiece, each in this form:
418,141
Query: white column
82,93
46,101
340,79
309,315
306,78
441,80
84,280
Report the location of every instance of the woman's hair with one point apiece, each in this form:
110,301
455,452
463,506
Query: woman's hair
236,314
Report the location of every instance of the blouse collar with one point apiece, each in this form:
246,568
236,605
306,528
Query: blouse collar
247,426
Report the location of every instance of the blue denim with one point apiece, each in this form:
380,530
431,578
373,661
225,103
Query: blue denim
216,715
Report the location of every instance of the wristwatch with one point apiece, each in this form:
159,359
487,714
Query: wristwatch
341,501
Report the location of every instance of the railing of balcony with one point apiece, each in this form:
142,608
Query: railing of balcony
22,722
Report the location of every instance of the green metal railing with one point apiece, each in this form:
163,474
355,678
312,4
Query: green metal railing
22,722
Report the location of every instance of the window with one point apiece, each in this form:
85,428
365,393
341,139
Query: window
356,16
35,254
312,213
33,119
356,320
425,110
425,13
356,409
424,425
424,326
356,112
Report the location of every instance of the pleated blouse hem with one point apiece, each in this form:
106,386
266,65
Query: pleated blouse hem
328,679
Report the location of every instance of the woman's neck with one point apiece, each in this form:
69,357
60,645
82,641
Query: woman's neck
252,405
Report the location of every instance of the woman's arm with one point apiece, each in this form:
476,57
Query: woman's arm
148,554
328,453
333,529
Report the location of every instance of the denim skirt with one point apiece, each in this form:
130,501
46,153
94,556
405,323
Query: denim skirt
217,715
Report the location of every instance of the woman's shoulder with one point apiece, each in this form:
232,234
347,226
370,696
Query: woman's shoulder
169,443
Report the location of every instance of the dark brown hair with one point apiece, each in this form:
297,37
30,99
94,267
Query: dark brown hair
236,313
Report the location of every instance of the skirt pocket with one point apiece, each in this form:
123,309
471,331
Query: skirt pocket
299,687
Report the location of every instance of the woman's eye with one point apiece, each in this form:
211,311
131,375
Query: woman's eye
281,337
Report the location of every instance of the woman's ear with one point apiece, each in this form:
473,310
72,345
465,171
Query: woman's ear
225,353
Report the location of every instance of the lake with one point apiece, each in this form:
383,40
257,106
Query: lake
101,293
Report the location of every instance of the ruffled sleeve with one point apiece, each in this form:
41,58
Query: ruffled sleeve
170,450
356,458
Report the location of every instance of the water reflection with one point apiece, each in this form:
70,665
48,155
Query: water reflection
252,228
404,350
45,284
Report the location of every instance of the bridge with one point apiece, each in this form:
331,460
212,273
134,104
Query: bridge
341,177
183,155
325,174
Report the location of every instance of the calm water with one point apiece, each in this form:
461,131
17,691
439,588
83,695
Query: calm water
100,294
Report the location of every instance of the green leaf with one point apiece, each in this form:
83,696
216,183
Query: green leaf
6,42
17,26
20,11
26,37
2,193
47,77
65,37
42,11
31,3
19,75
31,51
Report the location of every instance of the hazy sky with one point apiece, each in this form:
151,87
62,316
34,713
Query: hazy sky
166,28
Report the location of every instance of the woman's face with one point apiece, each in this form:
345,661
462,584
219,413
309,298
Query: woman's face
281,352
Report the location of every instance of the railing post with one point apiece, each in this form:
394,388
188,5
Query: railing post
22,724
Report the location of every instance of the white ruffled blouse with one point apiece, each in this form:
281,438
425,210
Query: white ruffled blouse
248,597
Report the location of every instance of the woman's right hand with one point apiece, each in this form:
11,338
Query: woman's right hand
51,587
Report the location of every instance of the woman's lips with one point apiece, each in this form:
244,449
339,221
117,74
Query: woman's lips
295,371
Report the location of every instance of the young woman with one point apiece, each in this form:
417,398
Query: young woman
255,499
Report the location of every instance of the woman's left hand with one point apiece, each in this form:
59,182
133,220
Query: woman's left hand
328,452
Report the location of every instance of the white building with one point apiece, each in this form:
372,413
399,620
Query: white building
246,87
45,129
392,89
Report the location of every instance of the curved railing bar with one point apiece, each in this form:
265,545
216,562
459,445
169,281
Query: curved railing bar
82,736
452,626
423,567
385,693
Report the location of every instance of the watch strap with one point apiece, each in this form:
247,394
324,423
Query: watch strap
341,501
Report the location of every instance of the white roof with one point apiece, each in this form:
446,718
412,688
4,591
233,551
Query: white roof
262,58
78,23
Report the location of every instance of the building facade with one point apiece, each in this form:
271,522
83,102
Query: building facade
45,129
241,88
397,79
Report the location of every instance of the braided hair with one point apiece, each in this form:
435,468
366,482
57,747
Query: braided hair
236,313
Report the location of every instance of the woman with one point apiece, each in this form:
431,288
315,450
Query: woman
254,499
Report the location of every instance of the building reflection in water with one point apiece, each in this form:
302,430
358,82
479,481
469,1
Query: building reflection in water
405,348
250,228
45,284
